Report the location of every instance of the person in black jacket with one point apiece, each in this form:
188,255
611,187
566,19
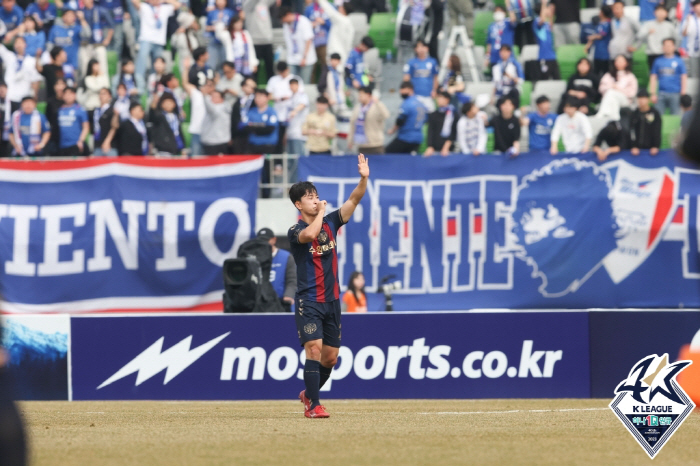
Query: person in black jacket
102,124
165,130
53,104
13,447
614,136
132,135
239,116
506,128
645,126
442,126
582,85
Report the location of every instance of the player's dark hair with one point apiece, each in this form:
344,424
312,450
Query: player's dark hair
322,100
294,80
572,101
686,101
198,52
506,47
301,189
466,108
669,39
284,11
445,94
406,85
351,286
368,42
365,90
542,99
281,66
606,11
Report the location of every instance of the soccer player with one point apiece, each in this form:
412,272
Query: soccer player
317,303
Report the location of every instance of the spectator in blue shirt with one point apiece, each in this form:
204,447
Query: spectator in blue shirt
217,51
600,41
11,14
116,10
73,125
322,26
33,36
263,126
355,74
102,28
44,13
30,130
500,32
68,34
540,124
542,26
671,77
507,76
409,123
422,71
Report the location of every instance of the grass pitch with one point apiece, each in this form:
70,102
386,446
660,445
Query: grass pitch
359,432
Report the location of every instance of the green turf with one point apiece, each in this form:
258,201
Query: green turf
359,432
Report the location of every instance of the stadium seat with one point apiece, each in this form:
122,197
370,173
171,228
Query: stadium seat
693,85
186,134
640,67
530,52
112,62
552,89
41,106
632,12
186,108
475,89
490,142
670,127
587,14
176,69
382,29
359,22
424,144
525,93
568,56
482,19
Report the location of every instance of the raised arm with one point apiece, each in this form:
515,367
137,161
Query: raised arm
348,208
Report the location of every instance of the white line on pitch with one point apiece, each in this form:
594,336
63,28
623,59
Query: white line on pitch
518,411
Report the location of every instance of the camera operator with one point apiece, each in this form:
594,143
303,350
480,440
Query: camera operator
283,274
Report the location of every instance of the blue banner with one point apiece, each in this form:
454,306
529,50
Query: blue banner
533,232
121,233
411,355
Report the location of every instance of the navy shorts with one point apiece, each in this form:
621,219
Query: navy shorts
318,321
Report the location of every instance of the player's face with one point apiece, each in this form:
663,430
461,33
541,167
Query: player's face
544,107
669,47
69,97
661,13
28,106
309,203
583,67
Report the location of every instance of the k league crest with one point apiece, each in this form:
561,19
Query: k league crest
650,403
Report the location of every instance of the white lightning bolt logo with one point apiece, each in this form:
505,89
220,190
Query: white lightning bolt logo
152,361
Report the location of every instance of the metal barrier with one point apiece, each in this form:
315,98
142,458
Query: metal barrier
279,174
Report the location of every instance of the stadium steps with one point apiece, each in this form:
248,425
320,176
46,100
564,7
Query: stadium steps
382,29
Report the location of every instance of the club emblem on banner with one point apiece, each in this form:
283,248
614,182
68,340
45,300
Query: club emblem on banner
650,404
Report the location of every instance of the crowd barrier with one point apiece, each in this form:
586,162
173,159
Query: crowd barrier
459,354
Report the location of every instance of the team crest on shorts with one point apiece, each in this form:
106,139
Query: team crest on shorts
650,403
309,328
323,237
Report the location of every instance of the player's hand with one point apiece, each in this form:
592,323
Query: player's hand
322,207
362,166
428,152
80,145
635,151
654,150
287,299
553,150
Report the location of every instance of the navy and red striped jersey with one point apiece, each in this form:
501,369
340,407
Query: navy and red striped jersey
317,261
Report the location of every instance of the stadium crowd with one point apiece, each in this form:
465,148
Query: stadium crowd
164,77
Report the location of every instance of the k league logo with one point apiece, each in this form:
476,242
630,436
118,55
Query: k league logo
650,403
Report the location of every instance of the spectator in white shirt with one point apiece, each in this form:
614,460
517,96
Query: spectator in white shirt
335,86
299,40
153,15
575,129
298,110
342,30
280,91
230,82
471,132
197,110
691,30
239,47
21,75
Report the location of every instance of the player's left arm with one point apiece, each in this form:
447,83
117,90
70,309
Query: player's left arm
348,208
